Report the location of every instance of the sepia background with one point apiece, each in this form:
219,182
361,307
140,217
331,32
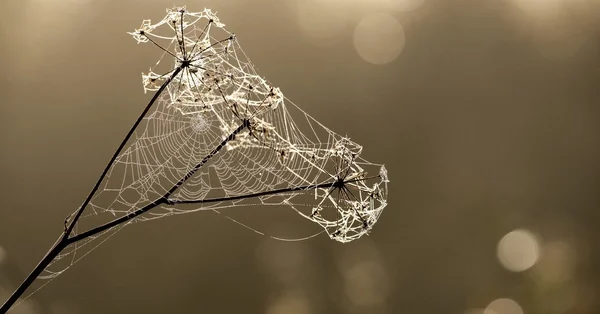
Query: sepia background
486,114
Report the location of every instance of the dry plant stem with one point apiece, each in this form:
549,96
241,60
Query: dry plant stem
66,240
164,198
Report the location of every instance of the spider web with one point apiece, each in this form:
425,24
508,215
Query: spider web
220,136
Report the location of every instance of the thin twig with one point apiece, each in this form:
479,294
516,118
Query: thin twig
162,200
64,240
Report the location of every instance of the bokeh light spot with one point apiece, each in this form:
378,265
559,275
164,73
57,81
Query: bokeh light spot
503,306
379,38
518,250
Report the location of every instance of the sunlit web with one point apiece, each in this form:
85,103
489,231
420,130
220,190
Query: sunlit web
220,136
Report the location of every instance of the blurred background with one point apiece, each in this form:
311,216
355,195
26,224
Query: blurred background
486,114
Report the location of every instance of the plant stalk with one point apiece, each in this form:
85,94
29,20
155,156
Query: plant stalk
65,240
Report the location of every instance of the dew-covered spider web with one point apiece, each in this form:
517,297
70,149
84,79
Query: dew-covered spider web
218,135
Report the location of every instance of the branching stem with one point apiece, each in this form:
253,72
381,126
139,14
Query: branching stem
66,239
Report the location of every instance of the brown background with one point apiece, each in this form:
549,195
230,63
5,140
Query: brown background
488,121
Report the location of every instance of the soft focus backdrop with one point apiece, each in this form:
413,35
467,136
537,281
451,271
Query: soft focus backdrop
486,114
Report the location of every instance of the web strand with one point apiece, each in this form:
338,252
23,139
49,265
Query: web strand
215,134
